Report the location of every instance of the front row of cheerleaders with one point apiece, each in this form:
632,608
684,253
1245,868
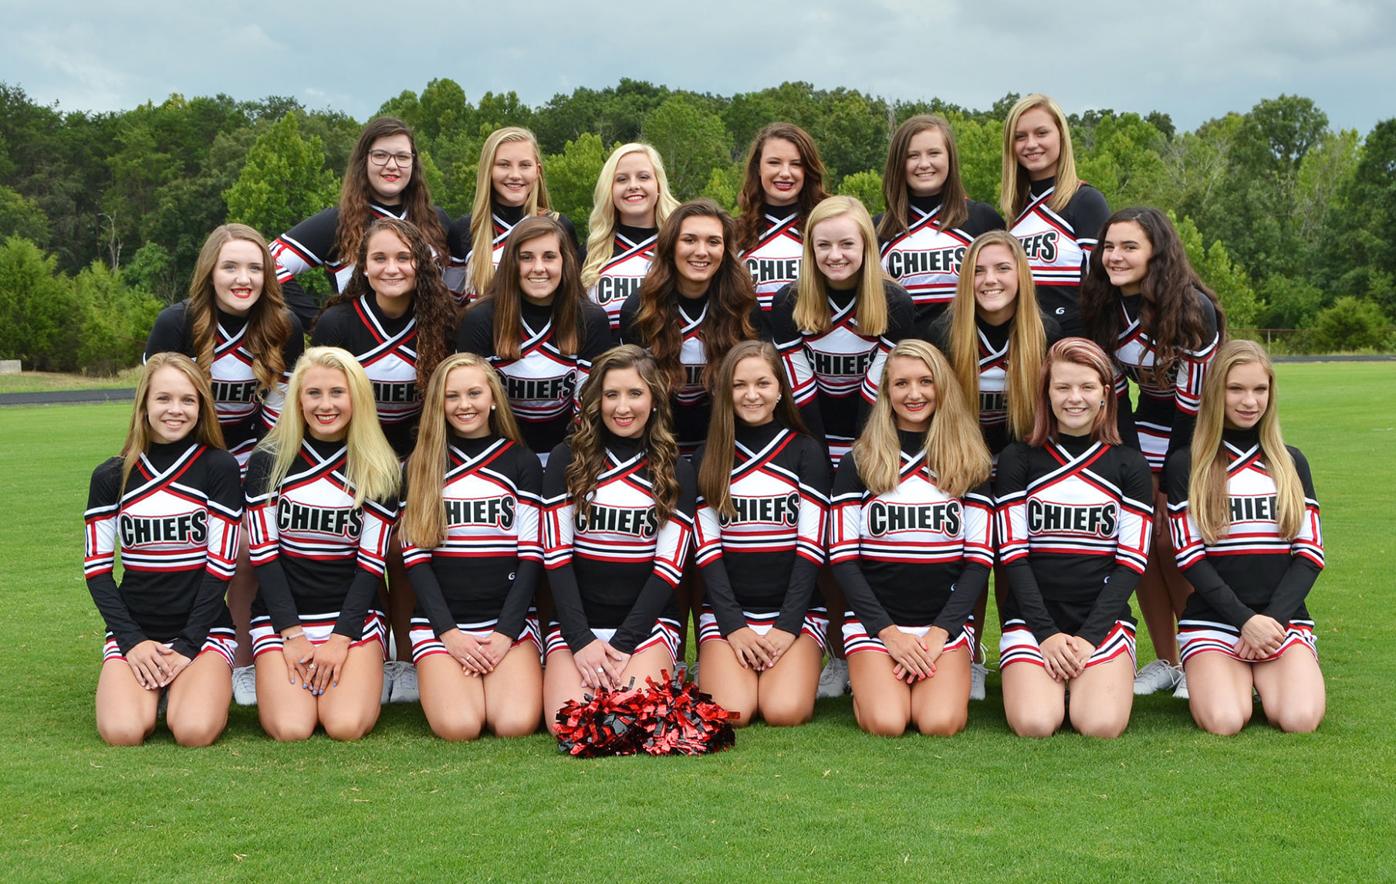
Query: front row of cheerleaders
909,525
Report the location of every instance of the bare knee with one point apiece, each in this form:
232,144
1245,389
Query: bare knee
785,712
347,726
288,728
455,728
127,732
197,734
882,722
942,722
515,722
1034,725
1298,718
1222,719
1099,725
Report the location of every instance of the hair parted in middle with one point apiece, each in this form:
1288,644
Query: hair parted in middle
1015,186
604,218
268,322
356,197
731,298
1076,351
508,297
1027,341
206,431
588,439
482,208
812,312
955,449
715,473
752,198
954,202
423,522
372,467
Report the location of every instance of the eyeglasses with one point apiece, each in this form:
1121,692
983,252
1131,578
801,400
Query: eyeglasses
381,157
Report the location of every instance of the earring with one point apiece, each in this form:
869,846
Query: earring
1102,403
493,407
777,398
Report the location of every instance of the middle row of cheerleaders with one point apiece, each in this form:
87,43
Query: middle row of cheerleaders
909,524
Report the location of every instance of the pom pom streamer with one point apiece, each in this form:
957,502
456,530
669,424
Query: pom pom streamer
663,718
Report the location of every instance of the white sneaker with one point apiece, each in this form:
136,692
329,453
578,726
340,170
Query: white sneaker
833,681
1160,675
404,683
245,685
1181,691
978,674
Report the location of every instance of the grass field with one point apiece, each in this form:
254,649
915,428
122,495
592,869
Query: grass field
46,381
1164,802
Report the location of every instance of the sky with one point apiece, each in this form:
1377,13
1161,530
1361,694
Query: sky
1192,60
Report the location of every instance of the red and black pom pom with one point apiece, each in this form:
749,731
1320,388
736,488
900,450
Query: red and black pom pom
663,718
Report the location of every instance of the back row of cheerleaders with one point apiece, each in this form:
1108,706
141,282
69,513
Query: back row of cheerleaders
820,432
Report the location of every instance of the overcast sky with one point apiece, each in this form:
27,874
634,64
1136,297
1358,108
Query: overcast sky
1193,60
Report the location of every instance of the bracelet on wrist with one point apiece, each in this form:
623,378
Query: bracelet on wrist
299,633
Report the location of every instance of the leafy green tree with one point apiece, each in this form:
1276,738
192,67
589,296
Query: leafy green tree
724,185
980,146
1222,275
1290,303
572,178
1359,249
152,269
692,141
38,310
21,217
867,188
283,181
115,320
1351,324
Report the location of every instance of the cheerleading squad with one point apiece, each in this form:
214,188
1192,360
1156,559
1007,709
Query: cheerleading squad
805,430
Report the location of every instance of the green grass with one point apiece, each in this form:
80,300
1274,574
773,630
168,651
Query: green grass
1164,802
47,381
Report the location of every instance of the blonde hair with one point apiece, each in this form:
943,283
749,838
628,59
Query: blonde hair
1207,498
955,449
481,223
371,466
1015,192
206,431
423,521
812,313
1027,341
602,222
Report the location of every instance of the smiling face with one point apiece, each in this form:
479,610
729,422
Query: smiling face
540,268
626,403
326,404
390,177
995,284
171,405
838,250
1037,143
635,190
1077,395
755,391
1247,395
237,276
912,390
782,171
698,253
927,163
468,401
391,271
1125,252
514,173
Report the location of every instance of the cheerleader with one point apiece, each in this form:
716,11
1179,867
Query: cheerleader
618,504
235,325
509,187
929,222
1144,303
995,338
629,205
1074,517
763,499
695,305
784,181
397,323
471,544
1056,215
911,543
171,502
322,493
538,330
1245,525
384,179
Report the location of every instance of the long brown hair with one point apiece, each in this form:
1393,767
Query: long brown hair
268,322
1168,311
752,198
1207,497
508,298
355,194
715,473
954,206
588,439
424,517
1027,341
730,301
1077,351
433,308
206,429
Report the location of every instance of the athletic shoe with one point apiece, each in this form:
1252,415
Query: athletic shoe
1181,691
245,685
978,674
389,673
404,683
1159,675
833,681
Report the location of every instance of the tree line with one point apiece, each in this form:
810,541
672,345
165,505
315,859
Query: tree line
102,214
